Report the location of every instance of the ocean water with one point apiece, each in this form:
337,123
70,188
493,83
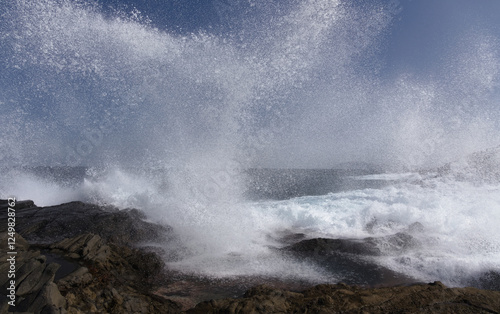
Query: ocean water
456,240
224,133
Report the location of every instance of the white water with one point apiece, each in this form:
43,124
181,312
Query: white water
302,89
460,237
460,219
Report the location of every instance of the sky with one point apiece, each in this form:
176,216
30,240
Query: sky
296,83
426,29
420,34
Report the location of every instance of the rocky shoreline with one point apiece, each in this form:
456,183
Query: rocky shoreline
82,258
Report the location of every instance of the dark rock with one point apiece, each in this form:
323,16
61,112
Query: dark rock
347,260
341,298
396,243
4,304
416,227
26,263
488,280
115,275
40,276
86,246
55,223
18,204
35,289
49,300
116,279
322,246
79,277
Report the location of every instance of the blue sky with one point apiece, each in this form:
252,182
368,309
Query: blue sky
219,72
419,37
427,28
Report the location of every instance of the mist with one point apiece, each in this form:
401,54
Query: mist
308,88
170,120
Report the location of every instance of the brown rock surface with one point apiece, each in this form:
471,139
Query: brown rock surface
107,272
340,298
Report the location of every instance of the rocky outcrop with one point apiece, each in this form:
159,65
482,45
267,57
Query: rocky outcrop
70,269
55,223
35,290
346,258
110,279
340,298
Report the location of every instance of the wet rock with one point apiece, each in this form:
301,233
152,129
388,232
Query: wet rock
347,260
19,204
488,280
79,277
86,246
39,277
49,300
397,243
341,298
416,227
35,290
116,279
114,275
323,246
55,223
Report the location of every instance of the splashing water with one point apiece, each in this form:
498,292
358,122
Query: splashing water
169,122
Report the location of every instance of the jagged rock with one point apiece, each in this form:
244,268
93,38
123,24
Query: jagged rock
39,277
113,278
116,279
340,298
55,223
135,305
49,300
79,277
34,264
22,256
86,246
116,296
35,290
